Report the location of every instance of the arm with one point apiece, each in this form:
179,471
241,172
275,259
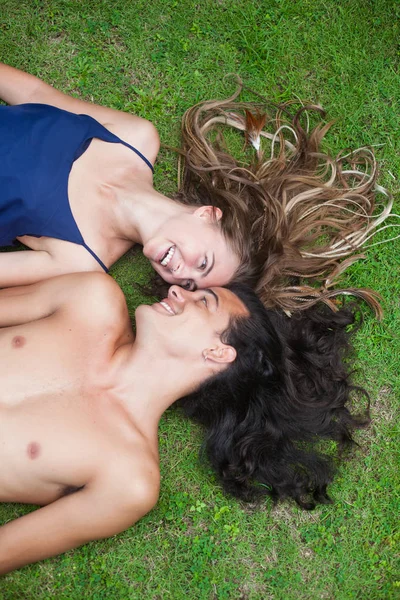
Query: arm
98,511
17,87
29,266
24,304
26,267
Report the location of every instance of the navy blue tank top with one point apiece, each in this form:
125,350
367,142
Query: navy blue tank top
38,146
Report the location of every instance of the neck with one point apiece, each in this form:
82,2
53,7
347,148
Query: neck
147,382
141,211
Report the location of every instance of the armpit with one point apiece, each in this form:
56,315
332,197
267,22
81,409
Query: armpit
71,489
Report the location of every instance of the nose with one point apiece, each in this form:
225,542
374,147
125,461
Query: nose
183,272
179,294
175,292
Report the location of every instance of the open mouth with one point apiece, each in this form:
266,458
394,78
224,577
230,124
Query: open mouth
167,257
167,307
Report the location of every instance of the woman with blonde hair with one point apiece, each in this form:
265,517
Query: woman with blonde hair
77,188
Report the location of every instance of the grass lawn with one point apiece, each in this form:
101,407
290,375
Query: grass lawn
157,58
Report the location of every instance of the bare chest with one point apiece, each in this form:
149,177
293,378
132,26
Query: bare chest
46,360
51,444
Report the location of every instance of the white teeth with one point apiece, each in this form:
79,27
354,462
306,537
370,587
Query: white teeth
167,307
168,257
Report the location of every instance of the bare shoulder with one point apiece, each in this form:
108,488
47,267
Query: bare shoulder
144,490
137,132
93,283
134,481
98,295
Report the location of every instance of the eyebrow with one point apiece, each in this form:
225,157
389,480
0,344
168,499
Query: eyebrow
212,294
210,268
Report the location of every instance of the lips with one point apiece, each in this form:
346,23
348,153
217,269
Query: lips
167,307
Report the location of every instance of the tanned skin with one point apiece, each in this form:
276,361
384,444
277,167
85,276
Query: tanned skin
80,406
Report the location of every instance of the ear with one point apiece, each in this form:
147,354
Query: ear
210,213
221,354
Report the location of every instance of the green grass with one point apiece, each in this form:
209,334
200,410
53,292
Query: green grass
156,59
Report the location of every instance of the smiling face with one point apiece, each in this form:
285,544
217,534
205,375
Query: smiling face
189,325
191,250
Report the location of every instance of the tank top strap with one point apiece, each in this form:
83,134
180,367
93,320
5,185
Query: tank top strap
142,156
103,266
105,134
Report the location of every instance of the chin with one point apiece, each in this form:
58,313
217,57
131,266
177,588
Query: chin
145,317
141,310
167,277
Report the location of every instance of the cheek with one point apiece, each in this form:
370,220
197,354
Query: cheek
168,277
229,264
197,238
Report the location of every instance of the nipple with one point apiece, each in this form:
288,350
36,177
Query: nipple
18,341
33,450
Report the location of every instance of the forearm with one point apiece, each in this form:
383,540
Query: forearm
17,87
65,524
16,552
26,303
26,267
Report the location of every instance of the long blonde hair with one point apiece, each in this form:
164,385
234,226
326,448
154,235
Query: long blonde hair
295,215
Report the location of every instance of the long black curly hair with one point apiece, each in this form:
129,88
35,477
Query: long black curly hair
288,388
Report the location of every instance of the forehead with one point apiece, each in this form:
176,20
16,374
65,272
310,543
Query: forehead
229,303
